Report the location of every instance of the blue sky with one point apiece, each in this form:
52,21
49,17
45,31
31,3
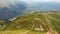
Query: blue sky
4,3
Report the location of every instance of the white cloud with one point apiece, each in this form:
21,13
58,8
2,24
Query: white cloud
4,3
41,0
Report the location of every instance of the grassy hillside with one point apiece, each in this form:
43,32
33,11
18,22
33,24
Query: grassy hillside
49,21
3,24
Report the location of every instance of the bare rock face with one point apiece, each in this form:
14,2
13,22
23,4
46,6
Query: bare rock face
39,29
49,32
18,27
4,26
37,19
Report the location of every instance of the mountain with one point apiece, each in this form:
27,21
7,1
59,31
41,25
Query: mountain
13,10
20,8
47,20
46,6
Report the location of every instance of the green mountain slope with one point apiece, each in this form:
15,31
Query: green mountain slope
48,21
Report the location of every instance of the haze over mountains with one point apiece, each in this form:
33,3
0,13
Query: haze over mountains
12,11
47,6
22,7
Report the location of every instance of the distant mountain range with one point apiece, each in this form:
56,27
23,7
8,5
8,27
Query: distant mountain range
47,6
22,7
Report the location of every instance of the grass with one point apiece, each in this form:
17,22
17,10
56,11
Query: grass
20,31
12,31
36,32
26,22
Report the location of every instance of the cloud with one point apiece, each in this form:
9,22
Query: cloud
41,1
4,3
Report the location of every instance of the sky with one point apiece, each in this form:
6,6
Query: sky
4,3
42,0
